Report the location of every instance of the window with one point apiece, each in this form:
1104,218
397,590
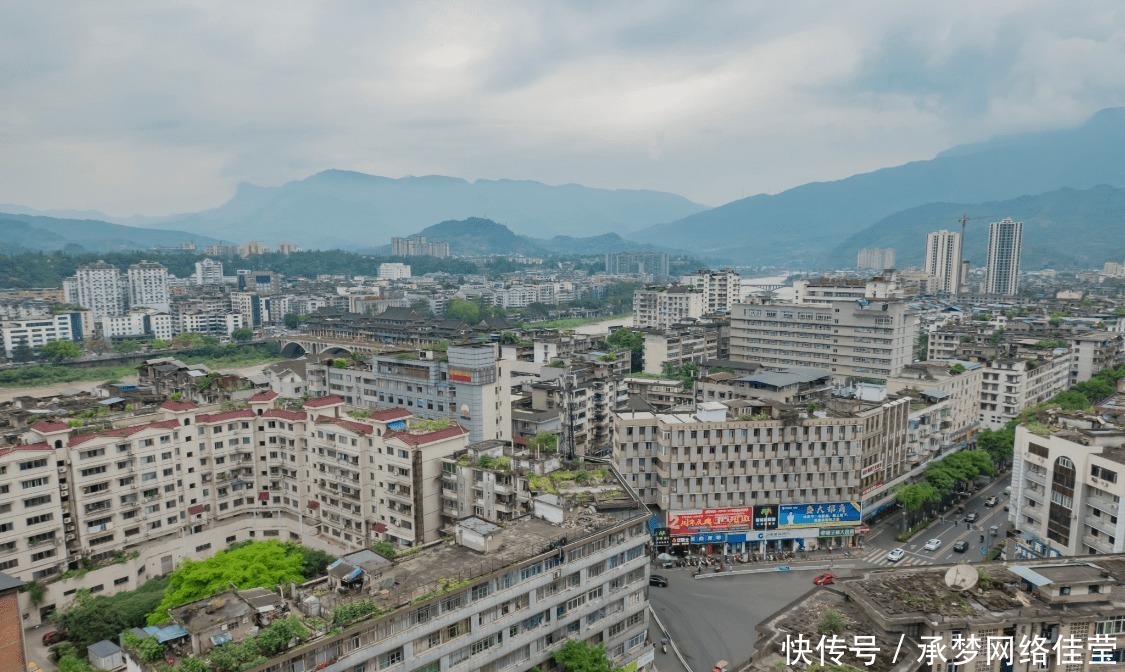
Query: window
33,464
36,501
390,658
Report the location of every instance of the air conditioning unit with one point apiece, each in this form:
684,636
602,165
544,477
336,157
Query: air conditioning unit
71,537
69,528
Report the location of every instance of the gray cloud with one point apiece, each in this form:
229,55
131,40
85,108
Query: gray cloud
133,106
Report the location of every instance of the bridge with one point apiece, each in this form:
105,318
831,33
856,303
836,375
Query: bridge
296,346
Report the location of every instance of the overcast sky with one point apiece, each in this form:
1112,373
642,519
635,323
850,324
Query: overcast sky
159,107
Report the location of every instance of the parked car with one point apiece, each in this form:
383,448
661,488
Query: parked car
896,555
961,546
52,637
992,501
932,545
825,579
971,518
658,580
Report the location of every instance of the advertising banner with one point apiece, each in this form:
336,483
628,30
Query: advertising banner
812,515
709,520
460,376
765,517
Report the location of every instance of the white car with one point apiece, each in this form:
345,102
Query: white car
896,555
932,545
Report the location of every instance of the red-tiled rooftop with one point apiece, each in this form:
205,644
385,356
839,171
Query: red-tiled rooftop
268,395
42,445
350,425
428,437
319,402
177,405
390,414
287,415
224,416
123,431
50,426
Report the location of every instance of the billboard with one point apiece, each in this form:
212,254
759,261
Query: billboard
812,515
765,517
710,520
460,376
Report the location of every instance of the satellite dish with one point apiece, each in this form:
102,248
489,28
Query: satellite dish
961,577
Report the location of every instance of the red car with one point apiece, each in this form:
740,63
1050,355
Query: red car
52,637
825,579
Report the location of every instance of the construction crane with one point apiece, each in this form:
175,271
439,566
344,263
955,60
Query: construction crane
965,219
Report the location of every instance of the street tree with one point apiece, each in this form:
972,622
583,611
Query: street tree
60,351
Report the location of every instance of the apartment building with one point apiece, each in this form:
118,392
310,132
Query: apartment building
657,393
40,330
945,410
1005,245
793,385
99,289
146,323
1093,352
1067,489
720,289
828,328
220,323
208,272
875,258
681,344
147,283
467,383
645,264
943,261
394,271
1010,385
249,306
419,246
746,455
661,307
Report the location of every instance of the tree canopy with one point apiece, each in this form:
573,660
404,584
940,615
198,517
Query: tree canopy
92,618
633,341
581,656
242,334
60,351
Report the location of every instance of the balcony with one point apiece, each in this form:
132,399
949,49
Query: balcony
1103,504
1038,479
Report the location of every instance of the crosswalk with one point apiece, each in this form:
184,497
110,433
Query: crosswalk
879,557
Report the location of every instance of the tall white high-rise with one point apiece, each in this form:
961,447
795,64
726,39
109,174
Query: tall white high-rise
943,261
99,289
148,286
208,272
721,289
1005,240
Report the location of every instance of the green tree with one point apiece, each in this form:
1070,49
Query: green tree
917,498
74,663
291,320
99,617
633,341
581,656
545,442
235,656
126,347
422,307
922,346
242,334
159,344
22,352
60,351
957,369
998,444
193,664
831,622
460,309
275,638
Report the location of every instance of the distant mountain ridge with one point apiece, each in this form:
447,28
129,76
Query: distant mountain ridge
477,236
1063,229
337,208
32,233
805,224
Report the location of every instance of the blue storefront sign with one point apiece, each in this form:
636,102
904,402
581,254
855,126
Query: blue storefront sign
736,537
709,538
809,515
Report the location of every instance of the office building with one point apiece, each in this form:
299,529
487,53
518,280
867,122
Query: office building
851,328
720,289
100,290
394,271
651,264
943,261
35,332
1005,241
208,272
148,286
662,307
875,258
1068,488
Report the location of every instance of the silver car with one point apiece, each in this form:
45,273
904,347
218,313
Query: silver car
932,545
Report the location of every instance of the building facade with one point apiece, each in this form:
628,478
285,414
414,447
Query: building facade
720,289
662,307
943,261
38,331
1010,385
148,286
208,272
1005,244
99,289
875,258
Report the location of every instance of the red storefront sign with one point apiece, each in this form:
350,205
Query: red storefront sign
711,520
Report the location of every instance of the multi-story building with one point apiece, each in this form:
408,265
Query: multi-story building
943,261
138,323
1010,385
220,323
100,290
260,282
851,329
662,307
208,272
37,331
652,264
655,393
419,246
720,289
394,271
1005,242
148,286
793,385
681,344
287,248
739,456
249,306
489,480
1093,352
945,411
875,258
1067,496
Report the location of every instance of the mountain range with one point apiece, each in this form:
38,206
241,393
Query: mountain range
34,233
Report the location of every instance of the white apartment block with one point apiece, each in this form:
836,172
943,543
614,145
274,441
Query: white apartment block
100,289
943,261
1005,243
218,323
680,346
871,339
249,306
875,258
952,411
148,286
70,291
720,289
208,272
143,323
661,307
394,271
37,331
1011,385
1093,352
1067,490
745,454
